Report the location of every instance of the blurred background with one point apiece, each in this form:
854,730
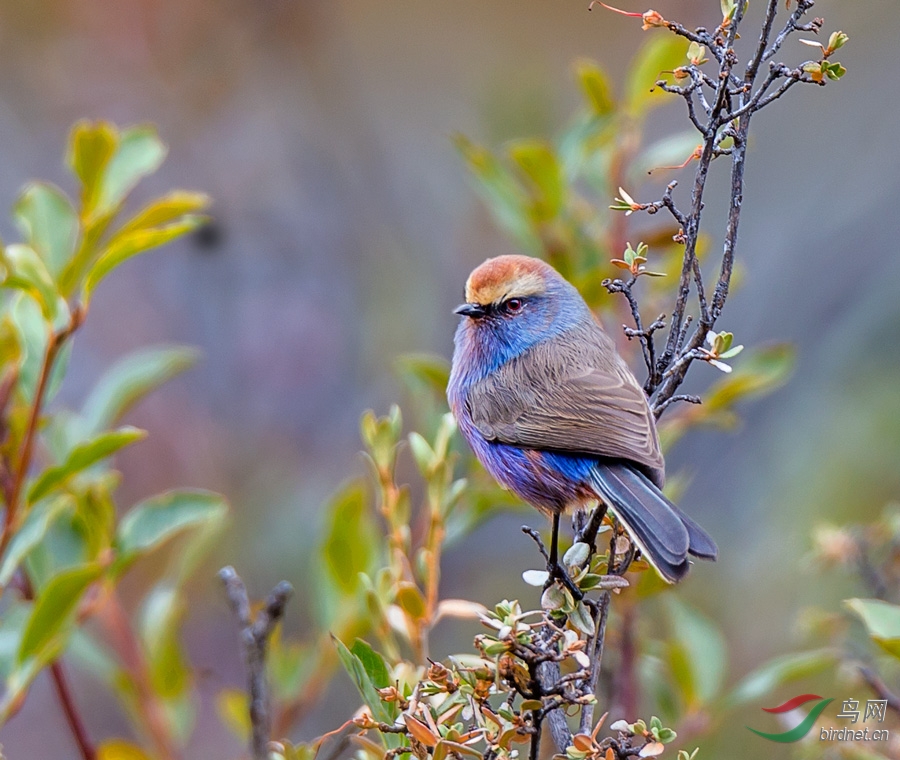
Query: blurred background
344,228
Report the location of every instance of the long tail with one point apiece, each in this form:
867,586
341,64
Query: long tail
663,533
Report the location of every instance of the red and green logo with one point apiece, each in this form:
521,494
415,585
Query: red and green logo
798,732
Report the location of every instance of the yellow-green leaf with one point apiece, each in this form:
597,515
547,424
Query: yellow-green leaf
232,707
882,621
27,272
81,457
119,749
48,224
130,379
168,208
91,146
53,613
34,528
154,521
658,54
139,153
125,246
596,87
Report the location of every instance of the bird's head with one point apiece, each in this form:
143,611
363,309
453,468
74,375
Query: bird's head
513,302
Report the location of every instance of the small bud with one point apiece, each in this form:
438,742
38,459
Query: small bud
652,19
365,722
696,54
835,41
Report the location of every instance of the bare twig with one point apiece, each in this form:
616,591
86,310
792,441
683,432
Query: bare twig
64,692
255,638
73,717
880,687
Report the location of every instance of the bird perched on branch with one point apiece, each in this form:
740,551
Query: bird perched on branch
556,416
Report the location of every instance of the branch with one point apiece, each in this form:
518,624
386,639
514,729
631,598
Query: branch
756,61
64,693
880,688
54,344
792,25
645,336
255,638
73,718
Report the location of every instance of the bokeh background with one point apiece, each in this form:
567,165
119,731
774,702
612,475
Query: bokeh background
345,227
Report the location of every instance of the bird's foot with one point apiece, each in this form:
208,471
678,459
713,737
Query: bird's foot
557,572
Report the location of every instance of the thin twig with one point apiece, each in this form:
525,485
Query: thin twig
64,691
537,539
880,687
803,7
55,343
255,639
73,717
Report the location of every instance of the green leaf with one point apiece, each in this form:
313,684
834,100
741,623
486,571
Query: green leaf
10,345
596,87
759,373
33,333
581,618
168,208
536,577
139,153
94,656
373,662
91,146
12,624
160,620
53,614
577,554
422,452
34,528
669,151
48,223
232,707
118,749
543,173
428,369
411,601
348,548
698,655
129,244
780,671
27,272
658,54
151,523
129,380
81,457
500,192
357,672
882,621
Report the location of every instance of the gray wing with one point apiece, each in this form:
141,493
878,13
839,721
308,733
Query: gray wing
570,394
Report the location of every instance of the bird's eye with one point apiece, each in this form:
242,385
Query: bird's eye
514,304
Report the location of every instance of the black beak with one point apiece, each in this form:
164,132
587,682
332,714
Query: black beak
473,310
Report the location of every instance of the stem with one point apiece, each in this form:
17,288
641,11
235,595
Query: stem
123,639
73,718
54,345
64,692
255,633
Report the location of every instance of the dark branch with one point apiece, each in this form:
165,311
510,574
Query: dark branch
880,688
255,638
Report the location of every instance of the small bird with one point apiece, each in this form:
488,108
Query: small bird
555,415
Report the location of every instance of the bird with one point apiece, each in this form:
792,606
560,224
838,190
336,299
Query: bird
553,412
